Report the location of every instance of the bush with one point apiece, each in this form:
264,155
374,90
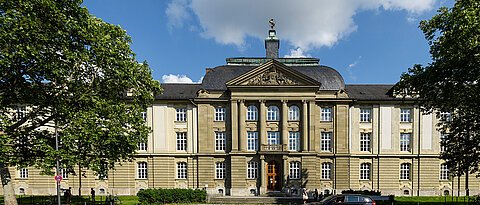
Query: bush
364,192
152,196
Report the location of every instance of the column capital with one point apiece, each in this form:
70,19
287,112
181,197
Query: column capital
262,101
241,101
233,100
304,101
262,157
284,101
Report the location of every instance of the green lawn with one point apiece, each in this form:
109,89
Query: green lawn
26,199
430,200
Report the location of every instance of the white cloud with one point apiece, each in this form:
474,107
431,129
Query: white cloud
171,78
296,53
303,24
350,66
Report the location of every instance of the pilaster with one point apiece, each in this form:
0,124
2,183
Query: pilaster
263,125
285,125
234,114
304,126
242,143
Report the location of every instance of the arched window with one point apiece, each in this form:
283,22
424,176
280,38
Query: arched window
293,113
252,112
142,170
365,171
405,171
272,113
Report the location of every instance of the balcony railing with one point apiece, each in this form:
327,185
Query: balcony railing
272,147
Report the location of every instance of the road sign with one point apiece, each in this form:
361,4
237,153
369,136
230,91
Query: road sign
58,178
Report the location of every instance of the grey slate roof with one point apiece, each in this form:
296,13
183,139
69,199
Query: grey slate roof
179,91
216,78
370,92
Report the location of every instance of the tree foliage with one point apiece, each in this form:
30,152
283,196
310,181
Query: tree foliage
450,83
70,68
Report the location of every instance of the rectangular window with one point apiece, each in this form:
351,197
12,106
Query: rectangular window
21,112
365,171
445,117
294,170
142,146
252,170
23,173
219,141
181,141
444,172
405,115
364,115
181,170
219,114
405,171
273,138
181,115
443,141
142,170
293,141
220,170
326,170
144,115
365,142
326,142
63,172
326,115
405,142
252,141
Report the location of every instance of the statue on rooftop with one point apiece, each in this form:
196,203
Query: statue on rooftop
272,23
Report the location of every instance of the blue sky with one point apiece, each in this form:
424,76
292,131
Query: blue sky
367,41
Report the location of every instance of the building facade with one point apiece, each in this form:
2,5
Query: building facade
257,125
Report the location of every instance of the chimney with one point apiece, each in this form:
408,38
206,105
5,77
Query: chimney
271,44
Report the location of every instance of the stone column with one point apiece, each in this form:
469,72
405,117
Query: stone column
263,175
242,132
262,119
285,125
234,114
304,126
311,122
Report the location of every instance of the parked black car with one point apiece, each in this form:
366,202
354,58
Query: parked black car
346,199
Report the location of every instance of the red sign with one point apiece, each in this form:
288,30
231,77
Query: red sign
58,178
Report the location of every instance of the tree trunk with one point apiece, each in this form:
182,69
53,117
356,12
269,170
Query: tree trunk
7,184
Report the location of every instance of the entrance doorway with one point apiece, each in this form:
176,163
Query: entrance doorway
273,176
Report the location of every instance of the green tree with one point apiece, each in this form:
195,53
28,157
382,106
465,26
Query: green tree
70,68
450,83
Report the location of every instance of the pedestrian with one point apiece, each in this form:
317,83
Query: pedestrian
93,195
68,197
304,196
316,195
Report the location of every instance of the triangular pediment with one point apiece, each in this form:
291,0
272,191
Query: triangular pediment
273,73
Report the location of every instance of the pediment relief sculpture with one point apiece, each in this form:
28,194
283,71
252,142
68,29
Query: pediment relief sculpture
272,77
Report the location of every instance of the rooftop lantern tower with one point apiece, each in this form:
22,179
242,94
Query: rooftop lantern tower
271,42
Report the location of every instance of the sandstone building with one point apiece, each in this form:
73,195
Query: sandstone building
257,125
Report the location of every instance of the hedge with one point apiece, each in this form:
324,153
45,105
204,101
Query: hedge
152,196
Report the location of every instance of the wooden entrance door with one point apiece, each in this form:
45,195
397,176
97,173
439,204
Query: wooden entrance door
273,176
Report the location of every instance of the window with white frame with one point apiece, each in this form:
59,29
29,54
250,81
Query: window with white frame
220,170
365,115
365,171
293,141
326,142
326,170
219,114
293,113
21,112
181,115
181,170
142,170
294,170
445,117
404,115
144,115
181,141
23,173
252,141
273,138
405,171
142,146
219,141
252,112
326,115
365,142
443,138
272,113
405,142
444,172
63,172
252,170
